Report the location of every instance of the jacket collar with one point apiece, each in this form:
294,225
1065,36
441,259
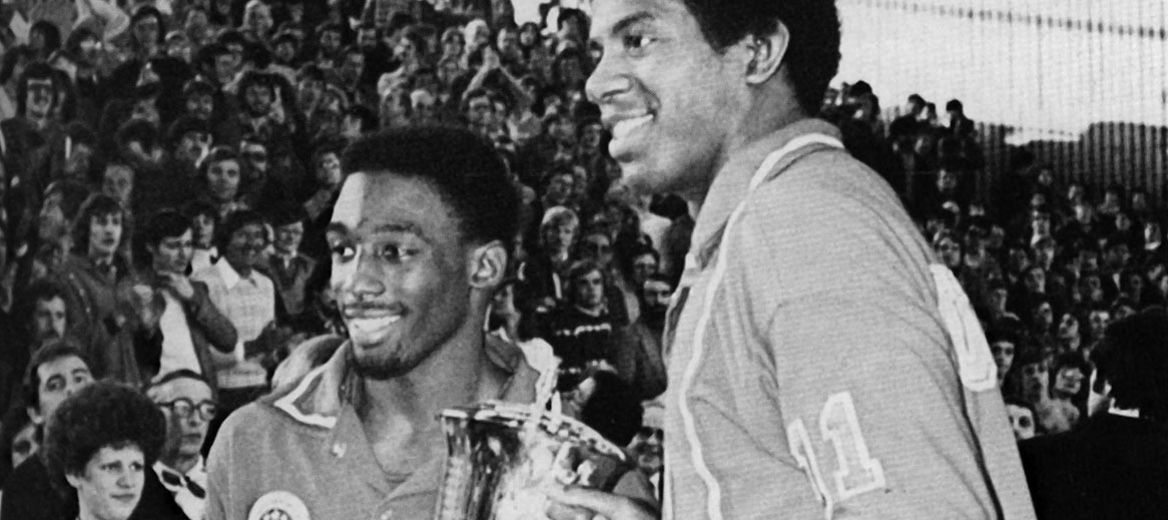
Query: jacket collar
321,396
731,184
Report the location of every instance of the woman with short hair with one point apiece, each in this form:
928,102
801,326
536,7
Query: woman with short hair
101,441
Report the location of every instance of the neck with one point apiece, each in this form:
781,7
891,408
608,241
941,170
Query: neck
591,311
101,258
39,120
767,113
243,270
451,376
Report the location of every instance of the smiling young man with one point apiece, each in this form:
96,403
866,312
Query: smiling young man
419,239
250,302
822,363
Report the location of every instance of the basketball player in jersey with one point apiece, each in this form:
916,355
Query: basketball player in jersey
419,240
821,362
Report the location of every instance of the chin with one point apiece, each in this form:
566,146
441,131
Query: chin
638,178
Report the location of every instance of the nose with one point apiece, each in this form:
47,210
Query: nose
195,419
606,81
128,479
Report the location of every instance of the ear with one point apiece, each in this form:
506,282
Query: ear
766,54
74,480
488,265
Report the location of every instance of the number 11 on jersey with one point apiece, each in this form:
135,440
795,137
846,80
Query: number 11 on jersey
856,471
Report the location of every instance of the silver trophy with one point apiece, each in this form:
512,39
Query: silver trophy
502,457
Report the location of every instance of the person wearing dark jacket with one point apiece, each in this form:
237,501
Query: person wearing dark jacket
189,325
1116,464
107,311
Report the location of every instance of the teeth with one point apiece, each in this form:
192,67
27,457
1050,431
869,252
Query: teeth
623,128
369,325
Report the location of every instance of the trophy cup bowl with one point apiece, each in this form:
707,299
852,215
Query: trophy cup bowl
502,456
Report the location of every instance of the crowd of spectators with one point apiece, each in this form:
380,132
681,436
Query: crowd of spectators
1046,265
169,169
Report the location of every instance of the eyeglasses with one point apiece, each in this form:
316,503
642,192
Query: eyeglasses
183,408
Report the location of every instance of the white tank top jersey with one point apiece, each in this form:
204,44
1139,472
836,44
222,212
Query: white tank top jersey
822,364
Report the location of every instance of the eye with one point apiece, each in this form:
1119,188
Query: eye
395,253
636,43
343,252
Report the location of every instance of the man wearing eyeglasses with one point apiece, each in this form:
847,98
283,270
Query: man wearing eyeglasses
185,399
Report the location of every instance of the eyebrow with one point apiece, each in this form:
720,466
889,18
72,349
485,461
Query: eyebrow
410,228
624,23
342,229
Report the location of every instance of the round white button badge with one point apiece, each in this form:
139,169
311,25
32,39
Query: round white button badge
279,505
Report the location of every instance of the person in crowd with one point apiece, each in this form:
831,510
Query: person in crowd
320,195
204,217
40,316
248,298
108,314
47,317
56,371
543,277
767,275
1021,419
1003,343
18,438
637,347
596,246
581,330
99,445
221,177
1114,465
260,187
190,325
1053,415
1069,375
413,350
289,268
188,141
177,482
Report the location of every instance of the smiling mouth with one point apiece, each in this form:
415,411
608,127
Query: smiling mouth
623,128
371,327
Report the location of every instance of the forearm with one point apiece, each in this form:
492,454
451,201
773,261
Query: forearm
219,331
